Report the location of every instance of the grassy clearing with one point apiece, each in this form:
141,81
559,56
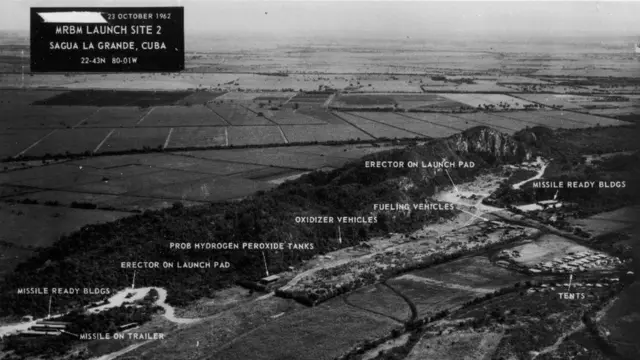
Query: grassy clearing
431,299
468,346
380,299
319,333
182,116
304,133
475,271
215,332
546,248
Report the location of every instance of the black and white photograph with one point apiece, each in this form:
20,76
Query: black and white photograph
319,180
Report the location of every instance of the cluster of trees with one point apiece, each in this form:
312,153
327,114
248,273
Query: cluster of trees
91,257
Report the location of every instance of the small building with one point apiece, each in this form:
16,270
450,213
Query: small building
27,318
269,279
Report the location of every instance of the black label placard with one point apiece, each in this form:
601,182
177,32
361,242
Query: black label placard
107,39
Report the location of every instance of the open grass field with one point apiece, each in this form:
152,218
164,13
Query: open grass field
475,271
195,115
305,133
322,332
216,332
609,222
590,120
286,116
198,98
409,123
430,298
431,102
544,118
496,121
198,136
381,300
25,96
46,117
352,100
74,141
53,222
134,138
122,116
550,100
321,114
443,120
114,98
139,185
467,345
377,129
245,135
238,115
14,142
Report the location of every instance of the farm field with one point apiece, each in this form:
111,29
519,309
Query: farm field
122,116
126,181
409,123
134,138
198,137
304,133
465,345
287,116
321,114
114,98
550,100
473,272
430,298
238,115
609,222
245,135
377,129
443,120
195,115
475,100
544,118
322,332
14,142
426,102
25,96
53,222
379,299
479,86
500,123
74,141
365,100
198,98
46,117
590,120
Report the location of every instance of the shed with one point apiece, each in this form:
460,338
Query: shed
269,279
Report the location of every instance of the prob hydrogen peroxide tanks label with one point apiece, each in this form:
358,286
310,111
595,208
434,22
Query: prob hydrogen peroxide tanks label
107,39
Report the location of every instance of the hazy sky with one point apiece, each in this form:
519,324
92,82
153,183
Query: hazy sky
383,18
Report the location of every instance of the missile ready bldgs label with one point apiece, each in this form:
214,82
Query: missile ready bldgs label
107,39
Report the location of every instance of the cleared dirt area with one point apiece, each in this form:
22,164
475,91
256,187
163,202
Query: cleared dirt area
473,272
546,248
467,345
